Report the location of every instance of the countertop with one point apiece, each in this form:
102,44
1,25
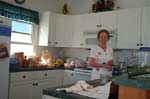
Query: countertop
63,95
134,82
11,70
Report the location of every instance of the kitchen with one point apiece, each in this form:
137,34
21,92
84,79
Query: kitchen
66,36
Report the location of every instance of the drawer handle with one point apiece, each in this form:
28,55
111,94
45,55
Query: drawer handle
24,76
45,74
56,43
81,44
141,44
72,74
33,84
36,84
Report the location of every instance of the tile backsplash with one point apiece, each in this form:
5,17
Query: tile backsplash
129,57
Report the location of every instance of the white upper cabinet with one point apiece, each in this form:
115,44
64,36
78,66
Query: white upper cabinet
91,22
108,20
86,26
47,29
97,21
44,29
129,28
145,40
63,36
77,40
51,37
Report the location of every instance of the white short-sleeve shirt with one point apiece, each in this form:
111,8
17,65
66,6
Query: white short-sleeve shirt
102,57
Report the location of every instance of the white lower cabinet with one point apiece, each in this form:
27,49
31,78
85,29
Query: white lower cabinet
37,90
30,85
21,90
32,88
71,77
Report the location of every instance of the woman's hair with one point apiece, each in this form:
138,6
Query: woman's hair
101,31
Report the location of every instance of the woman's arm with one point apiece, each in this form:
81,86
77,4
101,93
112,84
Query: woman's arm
108,65
92,62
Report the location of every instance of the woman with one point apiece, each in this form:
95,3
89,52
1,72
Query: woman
101,57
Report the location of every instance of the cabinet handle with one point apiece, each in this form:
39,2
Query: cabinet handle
23,76
72,74
138,44
36,84
111,35
49,42
141,44
99,25
45,74
56,42
81,44
33,84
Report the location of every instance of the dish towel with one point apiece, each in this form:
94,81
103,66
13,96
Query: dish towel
100,92
79,86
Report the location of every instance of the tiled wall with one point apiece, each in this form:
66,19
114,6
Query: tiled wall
130,57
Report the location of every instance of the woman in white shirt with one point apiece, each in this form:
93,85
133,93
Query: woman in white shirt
101,57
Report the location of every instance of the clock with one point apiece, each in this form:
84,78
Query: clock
20,1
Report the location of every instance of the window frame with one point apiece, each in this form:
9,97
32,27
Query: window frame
32,39
24,43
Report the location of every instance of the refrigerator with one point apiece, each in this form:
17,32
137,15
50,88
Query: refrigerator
5,34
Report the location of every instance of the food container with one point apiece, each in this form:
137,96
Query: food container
20,57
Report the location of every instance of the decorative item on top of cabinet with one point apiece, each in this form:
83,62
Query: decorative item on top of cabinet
65,9
3,50
104,5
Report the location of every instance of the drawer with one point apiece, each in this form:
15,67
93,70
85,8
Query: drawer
36,75
50,74
21,76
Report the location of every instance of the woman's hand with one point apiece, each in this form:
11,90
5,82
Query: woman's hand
108,65
92,62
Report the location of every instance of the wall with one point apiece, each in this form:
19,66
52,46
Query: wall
84,6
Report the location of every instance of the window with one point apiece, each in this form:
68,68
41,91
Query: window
21,38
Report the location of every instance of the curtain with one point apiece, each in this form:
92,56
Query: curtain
18,13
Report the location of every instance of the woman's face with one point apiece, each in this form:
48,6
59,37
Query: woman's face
103,38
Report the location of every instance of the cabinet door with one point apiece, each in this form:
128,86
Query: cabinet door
51,37
145,27
20,90
69,77
108,20
91,22
128,28
44,29
39,87
63,37
77,31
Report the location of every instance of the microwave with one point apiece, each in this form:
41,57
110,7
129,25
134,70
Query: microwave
90,38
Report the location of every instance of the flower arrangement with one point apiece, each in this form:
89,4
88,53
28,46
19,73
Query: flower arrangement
104,5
